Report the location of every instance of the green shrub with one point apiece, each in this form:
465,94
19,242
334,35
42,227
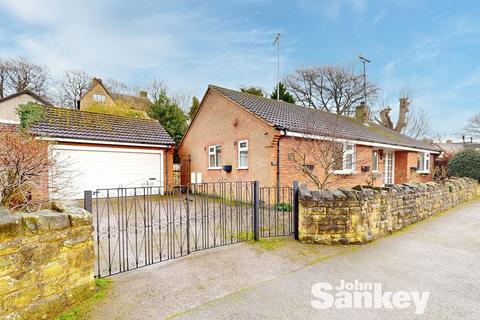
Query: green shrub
30,113
465,164
283,207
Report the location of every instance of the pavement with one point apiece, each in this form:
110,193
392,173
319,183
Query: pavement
273,279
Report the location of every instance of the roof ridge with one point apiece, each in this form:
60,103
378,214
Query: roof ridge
295,116
102,114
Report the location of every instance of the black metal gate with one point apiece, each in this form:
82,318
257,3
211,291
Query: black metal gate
140,226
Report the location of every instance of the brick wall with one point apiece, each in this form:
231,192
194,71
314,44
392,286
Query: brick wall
360,215
290,171
220,121
46,261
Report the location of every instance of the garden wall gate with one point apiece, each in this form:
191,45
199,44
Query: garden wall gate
140,226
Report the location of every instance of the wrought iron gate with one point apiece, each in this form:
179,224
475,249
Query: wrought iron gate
140,226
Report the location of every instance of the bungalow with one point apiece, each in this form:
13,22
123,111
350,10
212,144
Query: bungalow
240,136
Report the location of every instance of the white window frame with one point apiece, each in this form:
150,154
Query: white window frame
346,152
97,97
240,149
375,161
423,165
212,151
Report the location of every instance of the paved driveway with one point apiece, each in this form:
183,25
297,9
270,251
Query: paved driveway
273,280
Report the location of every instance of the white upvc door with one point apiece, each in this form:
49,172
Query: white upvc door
388,176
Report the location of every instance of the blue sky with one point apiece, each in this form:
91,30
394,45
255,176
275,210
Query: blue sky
430,48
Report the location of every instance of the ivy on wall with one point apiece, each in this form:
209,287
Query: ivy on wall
30,113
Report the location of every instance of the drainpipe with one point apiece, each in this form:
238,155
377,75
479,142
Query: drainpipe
282,134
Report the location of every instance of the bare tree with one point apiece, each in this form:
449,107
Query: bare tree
412,121
473,126
155,88
26,166
21,75
321,161
114,86
71,87
3,77
331,88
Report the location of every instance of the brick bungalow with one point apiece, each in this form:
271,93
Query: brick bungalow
240,136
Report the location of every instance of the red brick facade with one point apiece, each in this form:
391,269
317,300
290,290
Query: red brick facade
220,121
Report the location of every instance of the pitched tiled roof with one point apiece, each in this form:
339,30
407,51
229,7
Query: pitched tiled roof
74,124
40,99
135,102
305,120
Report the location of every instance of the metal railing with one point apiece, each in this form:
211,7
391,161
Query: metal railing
140,226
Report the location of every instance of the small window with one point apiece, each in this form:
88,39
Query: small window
214,157
423,162
243,154
375,161
98,97
344,158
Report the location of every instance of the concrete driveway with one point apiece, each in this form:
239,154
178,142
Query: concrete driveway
273,279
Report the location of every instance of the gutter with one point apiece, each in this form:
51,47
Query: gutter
366,143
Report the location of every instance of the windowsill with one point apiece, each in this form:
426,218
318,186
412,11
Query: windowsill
423,172
242,168
344,172
214,168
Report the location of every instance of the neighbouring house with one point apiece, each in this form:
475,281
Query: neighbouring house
449,148
240,136
99,94
8,106
107,151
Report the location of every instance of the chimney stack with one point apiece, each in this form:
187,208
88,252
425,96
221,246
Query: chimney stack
362,112
143,94
96,80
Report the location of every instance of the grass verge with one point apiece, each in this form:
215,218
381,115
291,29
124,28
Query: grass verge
80,310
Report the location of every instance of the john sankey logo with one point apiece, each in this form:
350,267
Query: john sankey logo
366,295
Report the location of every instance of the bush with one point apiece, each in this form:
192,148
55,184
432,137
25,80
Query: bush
465,164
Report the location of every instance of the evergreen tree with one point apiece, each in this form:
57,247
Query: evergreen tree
170,115
284,94
253,90
193,107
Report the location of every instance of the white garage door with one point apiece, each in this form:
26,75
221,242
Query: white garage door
90,168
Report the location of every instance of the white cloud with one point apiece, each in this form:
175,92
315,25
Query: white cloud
188,48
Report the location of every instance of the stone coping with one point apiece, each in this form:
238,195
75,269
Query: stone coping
367,192
64,214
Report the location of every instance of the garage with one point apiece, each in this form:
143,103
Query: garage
95,151
91,168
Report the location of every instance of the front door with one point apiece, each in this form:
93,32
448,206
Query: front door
389,168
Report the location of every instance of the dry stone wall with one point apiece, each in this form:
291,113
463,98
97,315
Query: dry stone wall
46,261
363,214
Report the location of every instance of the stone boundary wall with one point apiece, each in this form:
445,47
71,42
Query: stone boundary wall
46,261
363,214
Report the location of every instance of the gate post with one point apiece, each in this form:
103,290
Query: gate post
295,209
256,211
87,200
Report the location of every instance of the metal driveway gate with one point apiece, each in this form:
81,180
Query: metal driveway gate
140,226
